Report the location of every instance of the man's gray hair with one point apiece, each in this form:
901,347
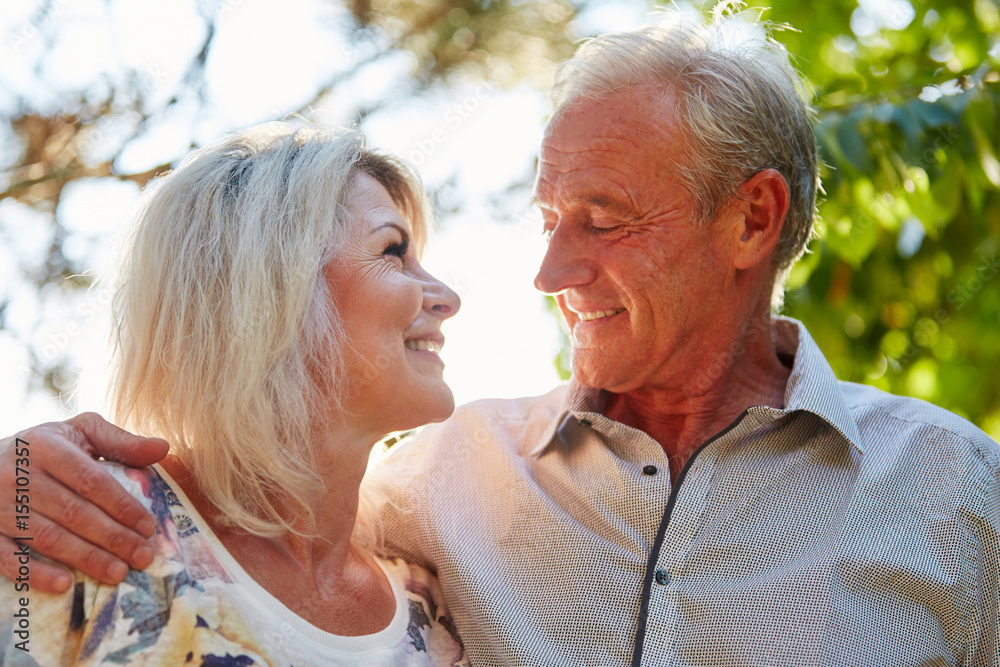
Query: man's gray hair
741,102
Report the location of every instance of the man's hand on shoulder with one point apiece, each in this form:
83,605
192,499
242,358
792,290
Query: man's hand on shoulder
53,490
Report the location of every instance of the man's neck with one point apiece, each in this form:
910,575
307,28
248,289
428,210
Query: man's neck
710,399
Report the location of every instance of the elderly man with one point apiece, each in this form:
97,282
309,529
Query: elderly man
704,491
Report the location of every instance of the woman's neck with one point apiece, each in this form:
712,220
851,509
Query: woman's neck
319,569
324,536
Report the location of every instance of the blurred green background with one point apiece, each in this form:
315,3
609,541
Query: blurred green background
902,290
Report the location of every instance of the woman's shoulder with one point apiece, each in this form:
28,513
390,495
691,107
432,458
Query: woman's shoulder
182,539
153,613
431,629
150,486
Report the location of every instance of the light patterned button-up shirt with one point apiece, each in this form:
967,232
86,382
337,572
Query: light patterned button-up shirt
850,527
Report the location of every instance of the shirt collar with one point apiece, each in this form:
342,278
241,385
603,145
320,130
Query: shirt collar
577,400
812,387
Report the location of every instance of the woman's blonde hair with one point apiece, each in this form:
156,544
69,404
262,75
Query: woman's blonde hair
223,318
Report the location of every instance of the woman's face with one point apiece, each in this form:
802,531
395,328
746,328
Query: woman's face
392,312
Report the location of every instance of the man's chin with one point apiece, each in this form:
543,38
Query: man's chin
600,377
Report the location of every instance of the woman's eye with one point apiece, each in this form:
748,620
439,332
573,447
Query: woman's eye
398,249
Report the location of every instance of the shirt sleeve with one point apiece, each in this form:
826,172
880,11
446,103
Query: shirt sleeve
396,487
983,524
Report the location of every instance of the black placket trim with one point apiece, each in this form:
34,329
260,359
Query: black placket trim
654,552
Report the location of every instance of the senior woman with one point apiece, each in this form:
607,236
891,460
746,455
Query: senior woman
273,324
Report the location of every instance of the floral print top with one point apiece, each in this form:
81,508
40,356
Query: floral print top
196,606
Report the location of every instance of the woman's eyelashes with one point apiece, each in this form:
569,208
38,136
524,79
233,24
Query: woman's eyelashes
398,249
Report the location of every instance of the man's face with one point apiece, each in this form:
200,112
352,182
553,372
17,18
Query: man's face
642,288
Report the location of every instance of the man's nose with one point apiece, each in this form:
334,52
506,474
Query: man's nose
566,263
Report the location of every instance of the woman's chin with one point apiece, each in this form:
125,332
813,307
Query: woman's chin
440,406
435,405
447,409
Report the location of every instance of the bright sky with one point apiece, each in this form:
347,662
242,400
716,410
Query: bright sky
501,344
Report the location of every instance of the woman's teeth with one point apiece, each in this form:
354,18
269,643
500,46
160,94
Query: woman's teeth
429,345
600,314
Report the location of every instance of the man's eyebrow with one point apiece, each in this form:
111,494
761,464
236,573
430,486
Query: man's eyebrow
603,202
608,204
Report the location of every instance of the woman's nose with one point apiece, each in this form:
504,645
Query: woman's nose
440,299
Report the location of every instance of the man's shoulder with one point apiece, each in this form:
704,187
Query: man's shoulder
506,414
513,410
889,421
486,424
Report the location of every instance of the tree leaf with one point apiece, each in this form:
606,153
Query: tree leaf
854,142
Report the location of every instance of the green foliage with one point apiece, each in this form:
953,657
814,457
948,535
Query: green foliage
902,290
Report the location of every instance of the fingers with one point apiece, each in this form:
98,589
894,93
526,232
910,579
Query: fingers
76,513
50,539
64,450
78,519
27,572
110,505
54,541
115,444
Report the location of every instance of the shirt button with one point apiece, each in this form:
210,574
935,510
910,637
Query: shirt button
649,470
662,577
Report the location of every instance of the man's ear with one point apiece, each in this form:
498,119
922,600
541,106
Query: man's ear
763,202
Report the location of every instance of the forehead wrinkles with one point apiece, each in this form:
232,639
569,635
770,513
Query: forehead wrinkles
598,186
613,174
634,134
619,136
